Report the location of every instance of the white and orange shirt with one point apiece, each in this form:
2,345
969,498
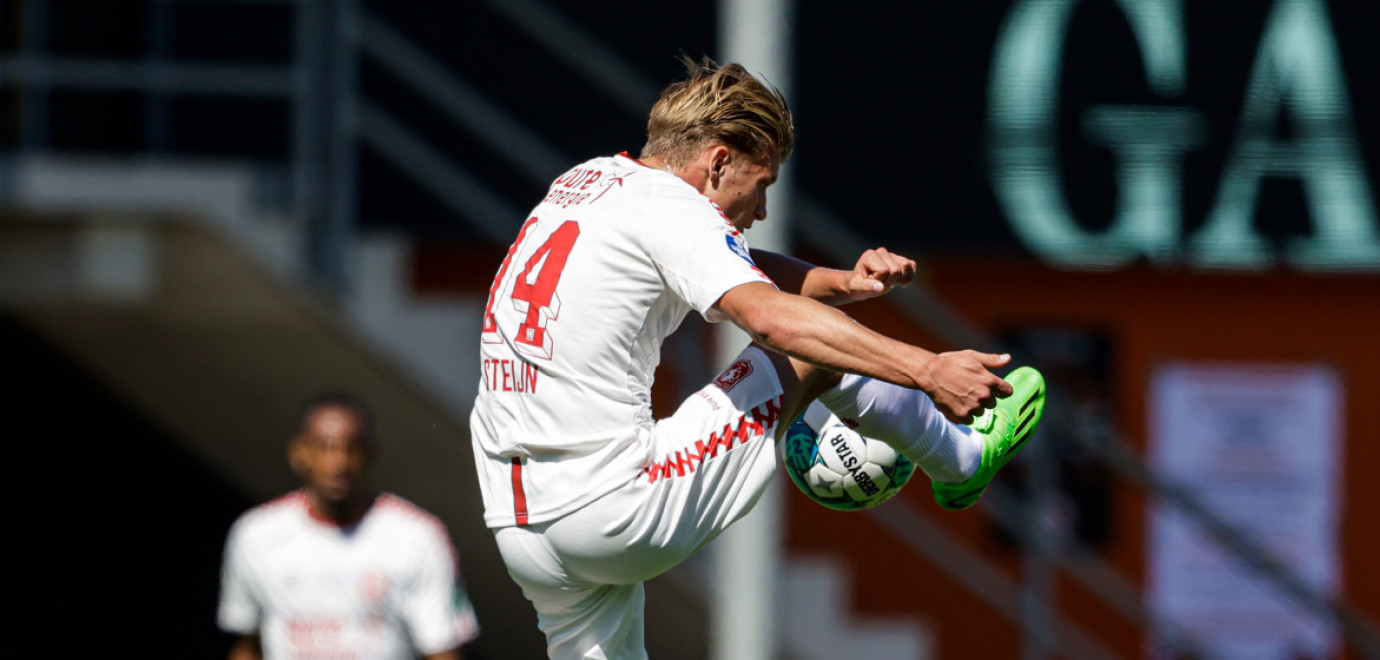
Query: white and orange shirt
382,588
604,269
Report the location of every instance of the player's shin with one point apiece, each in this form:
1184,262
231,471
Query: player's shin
907,420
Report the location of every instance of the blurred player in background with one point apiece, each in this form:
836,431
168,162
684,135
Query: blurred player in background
338,571
587,494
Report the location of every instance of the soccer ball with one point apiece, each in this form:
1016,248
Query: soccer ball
839,468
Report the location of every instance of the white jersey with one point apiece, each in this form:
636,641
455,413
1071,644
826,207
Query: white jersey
313,590
605,268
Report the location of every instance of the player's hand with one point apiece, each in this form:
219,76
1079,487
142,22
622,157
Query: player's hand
962,385
878,272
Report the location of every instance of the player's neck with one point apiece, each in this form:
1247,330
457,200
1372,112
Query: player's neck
342,513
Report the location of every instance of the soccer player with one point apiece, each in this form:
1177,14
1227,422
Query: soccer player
338,571
589,496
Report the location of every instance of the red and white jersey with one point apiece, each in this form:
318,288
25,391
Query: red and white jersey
313,590
604,269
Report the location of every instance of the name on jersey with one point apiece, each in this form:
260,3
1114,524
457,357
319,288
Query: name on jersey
580,185
505,375
318,637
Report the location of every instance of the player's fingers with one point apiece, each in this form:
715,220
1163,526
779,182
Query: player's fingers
958,419
862,286
900,269
1003,390
875,262
892,269
871,263
984,398
905,274
991,360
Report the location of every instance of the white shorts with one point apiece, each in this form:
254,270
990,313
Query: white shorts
584,572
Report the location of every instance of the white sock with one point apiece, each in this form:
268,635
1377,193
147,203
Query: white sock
907,420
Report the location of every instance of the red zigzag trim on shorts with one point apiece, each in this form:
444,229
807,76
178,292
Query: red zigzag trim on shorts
685,461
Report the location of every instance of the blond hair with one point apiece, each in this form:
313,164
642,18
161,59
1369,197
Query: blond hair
718,104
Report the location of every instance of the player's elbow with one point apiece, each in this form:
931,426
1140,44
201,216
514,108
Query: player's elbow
771,328
766,314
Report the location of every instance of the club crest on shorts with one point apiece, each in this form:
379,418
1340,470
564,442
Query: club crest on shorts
733,374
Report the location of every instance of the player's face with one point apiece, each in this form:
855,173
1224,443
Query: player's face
331,454
742,189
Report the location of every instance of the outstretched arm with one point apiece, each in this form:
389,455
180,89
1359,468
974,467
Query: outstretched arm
877,272
959,383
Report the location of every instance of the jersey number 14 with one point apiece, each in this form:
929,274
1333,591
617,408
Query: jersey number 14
534,290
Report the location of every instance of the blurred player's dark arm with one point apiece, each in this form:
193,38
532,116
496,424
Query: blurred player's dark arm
453,654
247,647
877,272
789,273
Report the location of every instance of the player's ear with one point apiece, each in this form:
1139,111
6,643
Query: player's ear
720,157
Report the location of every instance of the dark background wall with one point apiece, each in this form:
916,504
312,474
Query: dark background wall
117,532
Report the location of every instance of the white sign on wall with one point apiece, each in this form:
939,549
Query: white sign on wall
1259,446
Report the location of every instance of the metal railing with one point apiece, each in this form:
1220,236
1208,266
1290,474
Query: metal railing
317,81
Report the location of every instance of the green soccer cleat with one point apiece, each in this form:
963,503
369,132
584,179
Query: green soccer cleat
1004,430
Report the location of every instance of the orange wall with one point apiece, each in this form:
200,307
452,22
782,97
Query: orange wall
1151,317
